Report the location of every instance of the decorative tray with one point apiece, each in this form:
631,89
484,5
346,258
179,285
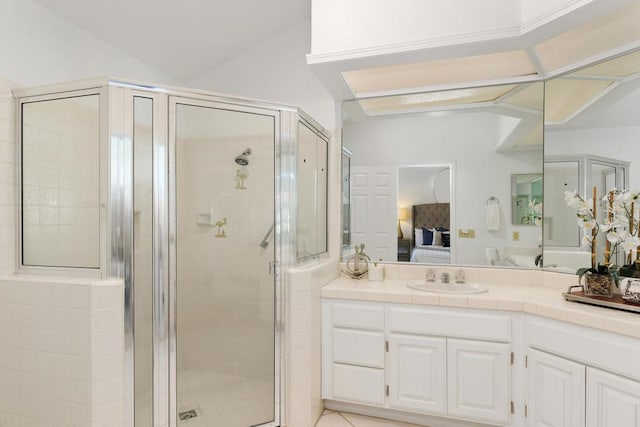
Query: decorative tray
573,294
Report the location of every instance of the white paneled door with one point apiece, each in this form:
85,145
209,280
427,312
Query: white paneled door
612,401
418,373
556,391
374,210
479,377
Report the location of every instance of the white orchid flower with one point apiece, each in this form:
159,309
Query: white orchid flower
587,224
617,236
586,240
630,243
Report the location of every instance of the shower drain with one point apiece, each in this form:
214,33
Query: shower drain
187,415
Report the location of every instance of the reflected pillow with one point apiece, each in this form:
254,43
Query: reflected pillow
417,234
437,237
427,236
446,239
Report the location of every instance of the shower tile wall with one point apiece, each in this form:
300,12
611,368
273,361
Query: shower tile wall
304,402
7,180
60,352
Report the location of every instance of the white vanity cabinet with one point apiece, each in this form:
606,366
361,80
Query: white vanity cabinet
556,391
423,360
600,387
612,400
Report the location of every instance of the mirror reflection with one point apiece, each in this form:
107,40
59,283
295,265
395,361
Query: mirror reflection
591,140
526,199
458,148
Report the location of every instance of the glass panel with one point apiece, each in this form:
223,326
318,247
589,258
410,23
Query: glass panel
61,182
307,220
321,222
225,294
603,178
143,256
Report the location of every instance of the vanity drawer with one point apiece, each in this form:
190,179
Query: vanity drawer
357,347
457,324
358,384
358,315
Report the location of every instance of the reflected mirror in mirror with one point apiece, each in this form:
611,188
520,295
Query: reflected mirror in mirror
526,199
61,182
485,135
591,141
346,198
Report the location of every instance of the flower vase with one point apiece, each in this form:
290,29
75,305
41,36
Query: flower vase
598,285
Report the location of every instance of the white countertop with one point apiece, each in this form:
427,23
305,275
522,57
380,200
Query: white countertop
539,300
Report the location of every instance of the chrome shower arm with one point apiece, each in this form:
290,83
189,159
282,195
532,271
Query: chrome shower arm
265,239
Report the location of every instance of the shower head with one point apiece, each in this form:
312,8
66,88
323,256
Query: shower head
242,159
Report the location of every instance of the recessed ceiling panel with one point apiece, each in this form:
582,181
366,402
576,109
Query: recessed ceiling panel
567,97
596,37
623,66
429,100
529,96
431,73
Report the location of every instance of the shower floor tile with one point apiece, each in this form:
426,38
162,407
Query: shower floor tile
223,400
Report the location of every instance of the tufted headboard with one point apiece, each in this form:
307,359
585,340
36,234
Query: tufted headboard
431,215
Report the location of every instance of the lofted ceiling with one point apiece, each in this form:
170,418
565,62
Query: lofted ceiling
183,39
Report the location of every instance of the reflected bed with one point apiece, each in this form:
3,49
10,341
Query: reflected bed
434,217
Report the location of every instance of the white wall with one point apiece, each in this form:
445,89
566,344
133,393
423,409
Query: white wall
38,48
275,71
466,141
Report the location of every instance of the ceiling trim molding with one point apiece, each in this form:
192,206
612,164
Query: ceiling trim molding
531,78
519,30
551,15
390,49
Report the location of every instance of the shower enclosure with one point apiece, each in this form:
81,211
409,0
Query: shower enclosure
198,202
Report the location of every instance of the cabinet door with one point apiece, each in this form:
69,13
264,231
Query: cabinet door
479,380
612,401
417,373
556,391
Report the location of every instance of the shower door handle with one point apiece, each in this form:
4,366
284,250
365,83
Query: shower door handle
273,267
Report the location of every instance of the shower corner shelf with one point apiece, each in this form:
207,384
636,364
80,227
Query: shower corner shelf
205,219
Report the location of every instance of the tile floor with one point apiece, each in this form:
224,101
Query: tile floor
344,419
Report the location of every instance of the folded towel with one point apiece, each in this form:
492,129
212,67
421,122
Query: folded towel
493,215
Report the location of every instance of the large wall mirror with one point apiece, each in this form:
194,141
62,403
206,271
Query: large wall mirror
439,166
592,129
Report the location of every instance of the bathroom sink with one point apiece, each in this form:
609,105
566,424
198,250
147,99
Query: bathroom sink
448,288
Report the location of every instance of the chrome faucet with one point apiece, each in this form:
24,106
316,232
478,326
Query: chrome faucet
460,276
444,278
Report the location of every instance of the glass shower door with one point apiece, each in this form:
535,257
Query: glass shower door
225,310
